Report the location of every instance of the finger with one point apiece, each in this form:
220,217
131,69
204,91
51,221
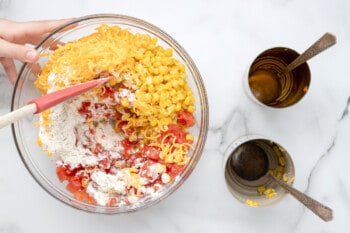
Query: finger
18,52
10,69
36,30
29,32
52,44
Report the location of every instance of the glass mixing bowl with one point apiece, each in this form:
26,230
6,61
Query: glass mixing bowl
25,133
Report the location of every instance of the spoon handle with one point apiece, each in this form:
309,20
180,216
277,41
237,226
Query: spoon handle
14,116
319,209
326,41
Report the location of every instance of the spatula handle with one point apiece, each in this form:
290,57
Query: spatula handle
17,114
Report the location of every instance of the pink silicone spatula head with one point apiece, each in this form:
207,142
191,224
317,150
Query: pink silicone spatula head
47,101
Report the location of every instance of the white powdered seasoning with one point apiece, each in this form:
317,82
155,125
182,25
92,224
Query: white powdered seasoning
103,184
59,138
68,135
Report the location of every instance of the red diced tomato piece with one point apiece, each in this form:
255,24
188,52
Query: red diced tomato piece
147,171
185,118
81,195
100,106
116,115
108,92
74,185
174,169
112,201
104,164
61,172
179,134
127,154
85,107
151,152
126,143
121,127
98,149
91,200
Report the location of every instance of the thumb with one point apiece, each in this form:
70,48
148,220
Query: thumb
18,52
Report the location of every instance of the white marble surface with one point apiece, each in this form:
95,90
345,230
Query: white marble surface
222,37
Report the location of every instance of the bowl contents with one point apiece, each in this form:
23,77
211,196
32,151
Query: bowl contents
126,140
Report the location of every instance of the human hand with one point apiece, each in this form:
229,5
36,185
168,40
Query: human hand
14,36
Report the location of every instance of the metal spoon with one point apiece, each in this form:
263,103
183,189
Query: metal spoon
266,85
250,162
326,41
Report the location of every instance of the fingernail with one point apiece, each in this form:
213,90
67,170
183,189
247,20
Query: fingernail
31,55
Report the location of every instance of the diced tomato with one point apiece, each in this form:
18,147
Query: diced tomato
116,116
126,143
121,126
104,164
174,169
92,131
61,173
131,161
112,201
103,109
151,152
127,154
91,200
65,173
81,195
176,131
109,92
74,185
98,149
74,182
185,118
85,109
147,171
100,106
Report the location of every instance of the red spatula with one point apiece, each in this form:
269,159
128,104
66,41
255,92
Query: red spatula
47,101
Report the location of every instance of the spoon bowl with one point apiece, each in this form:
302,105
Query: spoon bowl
265,85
